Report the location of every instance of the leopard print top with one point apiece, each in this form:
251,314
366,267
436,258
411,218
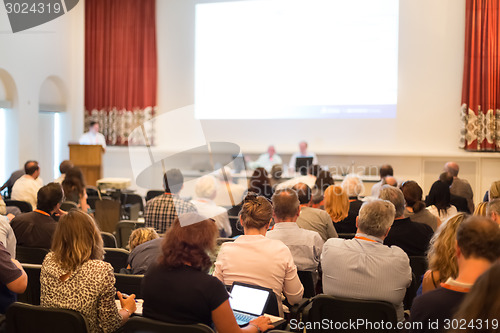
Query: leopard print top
89,290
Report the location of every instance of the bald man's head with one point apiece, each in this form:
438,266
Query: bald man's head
452,168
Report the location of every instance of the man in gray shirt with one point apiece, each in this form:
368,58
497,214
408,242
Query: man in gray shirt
363,267
460,187
312,218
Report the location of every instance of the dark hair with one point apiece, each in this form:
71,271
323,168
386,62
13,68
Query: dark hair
173,181
49,196
30,167
65,166
260,184
323,180
482,301
413,195
189,244
314,170
386,170
439,196
73,184
256,211
276,171
92,123
479,237
446,178
304,193
285,203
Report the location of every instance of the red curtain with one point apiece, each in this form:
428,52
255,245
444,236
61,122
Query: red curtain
481,81
120,66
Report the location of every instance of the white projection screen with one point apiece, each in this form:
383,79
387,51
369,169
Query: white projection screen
296,59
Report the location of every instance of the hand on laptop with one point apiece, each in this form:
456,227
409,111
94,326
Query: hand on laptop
261,323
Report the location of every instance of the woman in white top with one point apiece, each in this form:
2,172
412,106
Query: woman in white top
254,259
438,201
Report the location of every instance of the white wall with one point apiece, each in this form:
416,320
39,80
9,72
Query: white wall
54,49
431,40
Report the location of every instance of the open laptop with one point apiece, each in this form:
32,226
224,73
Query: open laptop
248,302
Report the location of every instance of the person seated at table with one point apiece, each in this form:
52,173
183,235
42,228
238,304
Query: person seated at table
177,287
254,259
75,277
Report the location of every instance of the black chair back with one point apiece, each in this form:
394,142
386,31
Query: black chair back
346,236
108,239
24,206
116,257
68,205
30,255
306,278
129,284
411,292
124,230
107,214
32,293
27,318
342,310
153,193
146,325
132,198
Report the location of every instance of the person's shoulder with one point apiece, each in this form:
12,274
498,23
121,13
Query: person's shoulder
98,267
335,242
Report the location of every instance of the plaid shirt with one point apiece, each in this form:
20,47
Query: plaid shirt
161,211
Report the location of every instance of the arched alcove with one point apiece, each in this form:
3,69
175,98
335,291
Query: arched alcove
9,128
53,95
8,90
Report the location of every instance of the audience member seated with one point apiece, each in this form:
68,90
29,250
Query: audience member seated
36,228
481,304
141,257
460,187
353,187
13,279
438,201
276,174
7,236
63,168
305,245
384,171
140,236
492,194
266,160
27,186
229,194
312,218
363,267
259,183
309,179
441,255
303,152
252,258
75,277
415,207
74,188
323,180
177,288
161,211
206,190
477,248
337,206
493,210
10,211
411,237
12,180
460,203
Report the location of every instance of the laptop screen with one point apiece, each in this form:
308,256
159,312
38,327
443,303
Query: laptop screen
247,299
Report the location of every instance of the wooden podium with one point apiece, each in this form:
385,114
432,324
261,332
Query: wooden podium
89,159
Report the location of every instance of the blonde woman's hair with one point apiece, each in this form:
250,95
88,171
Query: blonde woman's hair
481,209
76,240
494,192
442,255
141,235
336,203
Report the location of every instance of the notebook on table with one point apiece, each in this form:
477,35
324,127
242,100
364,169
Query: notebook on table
248,302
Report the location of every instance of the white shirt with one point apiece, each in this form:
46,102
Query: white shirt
261,261
209,209
223,198
305,245
366,269
451,211
26,189
7,236
91,138
293,160
309,180
266,162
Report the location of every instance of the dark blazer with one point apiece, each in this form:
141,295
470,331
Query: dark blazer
411,237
